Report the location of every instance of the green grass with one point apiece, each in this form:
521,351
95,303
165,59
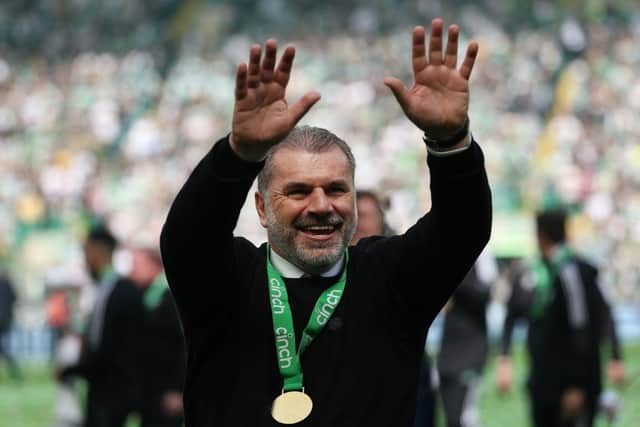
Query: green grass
27,403
512,410
30,403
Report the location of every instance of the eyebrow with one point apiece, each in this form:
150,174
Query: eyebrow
293,186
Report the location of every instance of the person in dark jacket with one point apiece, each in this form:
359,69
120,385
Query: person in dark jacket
568,316
161,343
464,345
244,308
109,358
7,304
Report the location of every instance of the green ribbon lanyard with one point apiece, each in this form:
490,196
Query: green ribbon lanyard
154,293
544,275
285,337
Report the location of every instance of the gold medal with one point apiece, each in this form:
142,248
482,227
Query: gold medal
291,407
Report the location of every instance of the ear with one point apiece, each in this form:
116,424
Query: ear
260,208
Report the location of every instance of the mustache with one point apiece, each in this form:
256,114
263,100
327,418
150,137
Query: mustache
310,220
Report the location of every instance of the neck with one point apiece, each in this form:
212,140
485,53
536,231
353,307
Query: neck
104,269
551,249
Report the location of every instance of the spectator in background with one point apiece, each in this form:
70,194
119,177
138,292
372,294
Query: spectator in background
464,345
7,303
109,355
568,315
371,222
161,343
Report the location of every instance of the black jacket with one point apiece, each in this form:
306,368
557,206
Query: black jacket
162,351
564,352
363,368
111,368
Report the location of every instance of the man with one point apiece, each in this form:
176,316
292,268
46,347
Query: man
108,360
464,345
371,222
244,308
161,345
568,315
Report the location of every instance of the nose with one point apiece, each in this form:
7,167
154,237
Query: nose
319,202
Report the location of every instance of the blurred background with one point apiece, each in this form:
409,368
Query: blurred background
107,105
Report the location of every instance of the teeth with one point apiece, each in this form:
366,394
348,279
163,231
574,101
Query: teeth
319,228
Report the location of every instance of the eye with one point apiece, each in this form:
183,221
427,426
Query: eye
336,190
297,192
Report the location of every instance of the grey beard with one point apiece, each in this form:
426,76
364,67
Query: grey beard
283,238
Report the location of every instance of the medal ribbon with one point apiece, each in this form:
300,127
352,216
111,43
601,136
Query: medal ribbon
285,336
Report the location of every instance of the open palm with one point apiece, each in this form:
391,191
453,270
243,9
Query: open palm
438,102
261,115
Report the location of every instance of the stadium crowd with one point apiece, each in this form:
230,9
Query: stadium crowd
105,135
94,132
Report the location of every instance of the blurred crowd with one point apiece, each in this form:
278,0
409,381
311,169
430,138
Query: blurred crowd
112,134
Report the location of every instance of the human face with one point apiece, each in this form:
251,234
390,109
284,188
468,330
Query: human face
309,208
369,220
144,268
92,258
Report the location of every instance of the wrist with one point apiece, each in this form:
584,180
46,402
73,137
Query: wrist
457,139
245,152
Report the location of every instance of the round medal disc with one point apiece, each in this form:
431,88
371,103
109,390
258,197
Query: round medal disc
291,407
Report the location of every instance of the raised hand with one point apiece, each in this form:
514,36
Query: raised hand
438,102
261,115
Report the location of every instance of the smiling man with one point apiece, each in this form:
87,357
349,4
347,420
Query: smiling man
306,199
353,320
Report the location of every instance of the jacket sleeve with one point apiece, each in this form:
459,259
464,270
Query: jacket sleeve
176,362
607,322
197,238
430,260
611,333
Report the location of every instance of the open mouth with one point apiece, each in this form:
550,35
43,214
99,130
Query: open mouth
319,232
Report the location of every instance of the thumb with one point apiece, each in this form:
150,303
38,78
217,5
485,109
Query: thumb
399,90
304,104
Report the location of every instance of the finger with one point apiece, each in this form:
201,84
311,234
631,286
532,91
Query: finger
469,60
284,67
435,42
399,90
300,108
269,61
253,78
241,81
451,54
418,51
